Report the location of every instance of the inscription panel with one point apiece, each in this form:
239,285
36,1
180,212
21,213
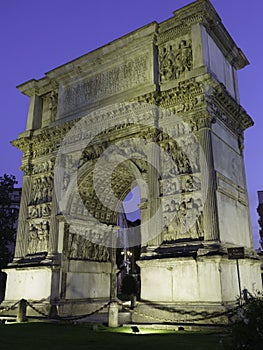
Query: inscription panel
117,79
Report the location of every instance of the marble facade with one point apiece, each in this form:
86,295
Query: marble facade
163,102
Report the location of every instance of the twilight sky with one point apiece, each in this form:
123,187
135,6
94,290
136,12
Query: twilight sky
37,36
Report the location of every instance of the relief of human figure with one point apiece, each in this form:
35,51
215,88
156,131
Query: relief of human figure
37,194
66,180
167,64
169,234
72,245
191,217
182,220
32,239
43,235
34,212
45,210
186,55
88,250
183,60
52,105
170,187
199,221
101,253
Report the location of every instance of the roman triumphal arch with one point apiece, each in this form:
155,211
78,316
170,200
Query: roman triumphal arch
159,109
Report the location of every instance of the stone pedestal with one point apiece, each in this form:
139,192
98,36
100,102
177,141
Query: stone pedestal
205,283
32,283
84,288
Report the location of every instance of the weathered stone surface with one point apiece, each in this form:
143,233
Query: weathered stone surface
158,108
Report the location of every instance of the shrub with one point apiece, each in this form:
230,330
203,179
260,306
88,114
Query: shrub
247,327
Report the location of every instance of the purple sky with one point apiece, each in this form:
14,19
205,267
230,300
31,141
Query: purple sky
37,36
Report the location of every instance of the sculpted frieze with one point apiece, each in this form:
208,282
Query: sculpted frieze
42,149
90,230
43,167
38,211
27,169
23,144
83,249
185,97
180,184
190,105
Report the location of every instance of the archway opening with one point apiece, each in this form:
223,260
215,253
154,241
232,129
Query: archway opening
127,256
131,204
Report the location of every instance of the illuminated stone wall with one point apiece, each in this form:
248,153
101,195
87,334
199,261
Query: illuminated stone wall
158,108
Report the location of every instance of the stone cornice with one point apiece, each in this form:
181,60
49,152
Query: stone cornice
43,137
38,87
105,56
228,110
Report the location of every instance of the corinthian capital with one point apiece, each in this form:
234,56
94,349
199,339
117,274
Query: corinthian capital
203,121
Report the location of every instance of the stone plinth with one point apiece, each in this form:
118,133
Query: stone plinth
189,284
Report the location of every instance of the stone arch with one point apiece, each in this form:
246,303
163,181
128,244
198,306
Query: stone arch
94,216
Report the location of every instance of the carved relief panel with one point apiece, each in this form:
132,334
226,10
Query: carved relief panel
39,208
87,241
175,59
183,218
49,110
38,236
80,248
180,152
180,185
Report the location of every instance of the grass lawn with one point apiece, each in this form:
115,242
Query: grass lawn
40,336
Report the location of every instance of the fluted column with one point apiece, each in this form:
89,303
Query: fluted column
113,273
54,226
22,237
208,179
154,221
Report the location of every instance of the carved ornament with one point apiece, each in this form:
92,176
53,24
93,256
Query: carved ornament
38,236
175,60
183,219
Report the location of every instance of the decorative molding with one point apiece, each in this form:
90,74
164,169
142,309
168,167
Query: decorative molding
186,96
228,110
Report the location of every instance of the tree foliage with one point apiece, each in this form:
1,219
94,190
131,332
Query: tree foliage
8,218
247,329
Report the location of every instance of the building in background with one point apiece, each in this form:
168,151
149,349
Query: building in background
15,197
12,210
